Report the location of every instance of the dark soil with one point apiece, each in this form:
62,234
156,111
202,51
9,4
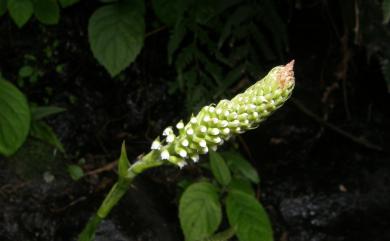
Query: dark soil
317,184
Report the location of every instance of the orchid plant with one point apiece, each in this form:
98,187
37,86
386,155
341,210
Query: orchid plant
209,129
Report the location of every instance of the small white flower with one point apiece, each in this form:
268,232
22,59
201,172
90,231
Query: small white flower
214,131
255,114
183,153
252,106
156,145
226,113
206,118
190,131
217,139
165,155
205,150
195,157
218,111
224,123
215,120
185,142
167,131
203,143
170,138
181,164
226,131
180,125
211,109
203,129
193,120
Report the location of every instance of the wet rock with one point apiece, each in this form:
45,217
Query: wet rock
320,211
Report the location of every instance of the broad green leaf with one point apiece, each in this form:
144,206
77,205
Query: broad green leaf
20,11
248,217
3,7
75,172
199,211
240,165
40,112
44,132
116,34
47,11
14,118
242,185
67,3
386,11
219,168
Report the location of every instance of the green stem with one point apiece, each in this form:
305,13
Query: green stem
117,191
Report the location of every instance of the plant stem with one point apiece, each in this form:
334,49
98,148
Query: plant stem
117,191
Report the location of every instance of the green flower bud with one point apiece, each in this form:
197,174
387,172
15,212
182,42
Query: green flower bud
215,124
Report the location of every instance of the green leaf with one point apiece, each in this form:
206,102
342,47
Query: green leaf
177,36
47,11
26,71
248,217
123,163
14,118
242,185
219,168
167,10
240,165
199,211
67,3
386,11
20,11
3,7
116,34
75,172
40,112
44,132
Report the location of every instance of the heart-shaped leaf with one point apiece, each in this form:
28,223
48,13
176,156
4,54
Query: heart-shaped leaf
199,211
116,34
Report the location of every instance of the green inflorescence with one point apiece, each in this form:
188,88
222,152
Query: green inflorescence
215,124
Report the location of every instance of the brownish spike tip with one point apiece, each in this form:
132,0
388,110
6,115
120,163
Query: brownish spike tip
286,75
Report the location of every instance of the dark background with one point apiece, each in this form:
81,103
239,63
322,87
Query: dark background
323,158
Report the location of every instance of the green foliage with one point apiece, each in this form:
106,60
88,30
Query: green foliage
3,7
67,3
248,217
14,118
245,214
386,11
47,11
242,185
200,211
219,168
116,34
40,112
241,166
214,44
20,11
44,132
75,172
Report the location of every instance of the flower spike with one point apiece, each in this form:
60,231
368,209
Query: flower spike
215,124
